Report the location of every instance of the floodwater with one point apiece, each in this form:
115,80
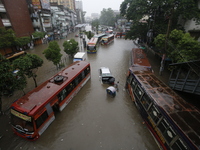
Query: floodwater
92,120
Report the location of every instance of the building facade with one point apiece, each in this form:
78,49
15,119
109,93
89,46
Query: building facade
15,15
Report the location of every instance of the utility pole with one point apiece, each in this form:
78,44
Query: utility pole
162,63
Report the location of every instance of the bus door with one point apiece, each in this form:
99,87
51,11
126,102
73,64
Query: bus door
45,119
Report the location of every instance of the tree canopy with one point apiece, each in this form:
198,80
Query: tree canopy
181,46
28,65
160,14
9,82
52,53
70,47
107,17
7,38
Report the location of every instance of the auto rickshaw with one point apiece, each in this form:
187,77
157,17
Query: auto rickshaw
111,91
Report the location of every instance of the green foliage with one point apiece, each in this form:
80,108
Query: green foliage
138,30
89,34
23,40
7,37
160,13
6,77
70,47
8,82
38,34
28,65
107,17
52,53
181,47
95,24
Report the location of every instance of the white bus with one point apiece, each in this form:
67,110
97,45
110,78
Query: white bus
79,56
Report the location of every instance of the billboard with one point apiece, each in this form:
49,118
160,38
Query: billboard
45,4
36,4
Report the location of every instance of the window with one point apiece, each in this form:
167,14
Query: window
179,145
146,101
78,79
70,87
133,84
83,75
87,71
138,92
129,78
39,121
166,130
62,94
155,114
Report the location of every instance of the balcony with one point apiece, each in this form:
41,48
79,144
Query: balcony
2,8
45,24
6,22
36,24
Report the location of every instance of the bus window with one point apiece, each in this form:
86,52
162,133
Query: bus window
166,130
138,92
40,120
155,114
87,70
146,101
129,78
179,145
79,78
62,94
70,87
133,84
83,74
23,125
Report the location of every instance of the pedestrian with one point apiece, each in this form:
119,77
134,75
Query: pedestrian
116,85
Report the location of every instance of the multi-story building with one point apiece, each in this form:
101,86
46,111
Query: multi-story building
67,3
15,15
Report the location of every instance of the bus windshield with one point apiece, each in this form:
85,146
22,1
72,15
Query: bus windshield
91,47
21,122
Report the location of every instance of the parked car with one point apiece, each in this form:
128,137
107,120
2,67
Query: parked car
105,76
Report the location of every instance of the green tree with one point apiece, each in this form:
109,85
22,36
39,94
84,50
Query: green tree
28,65
95,25
38,34
70,47
89,34
8,82
52,53
7,38
163,16
181,46
22,41
107,17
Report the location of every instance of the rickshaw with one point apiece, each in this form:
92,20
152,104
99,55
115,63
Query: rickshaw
111,91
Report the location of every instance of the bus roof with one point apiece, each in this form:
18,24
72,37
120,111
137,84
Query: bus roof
99,35
183,113
41,95
139,58
93,41
107,36
79,54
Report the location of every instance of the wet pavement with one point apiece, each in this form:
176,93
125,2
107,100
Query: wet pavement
92,120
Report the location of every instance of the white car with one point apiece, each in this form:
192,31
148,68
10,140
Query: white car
105,76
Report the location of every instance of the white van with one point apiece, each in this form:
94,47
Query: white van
79,56
105,76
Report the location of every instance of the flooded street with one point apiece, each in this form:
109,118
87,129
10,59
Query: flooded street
92,120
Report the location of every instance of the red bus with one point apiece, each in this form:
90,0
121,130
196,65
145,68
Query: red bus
173,122
34,112
107,39
92,45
